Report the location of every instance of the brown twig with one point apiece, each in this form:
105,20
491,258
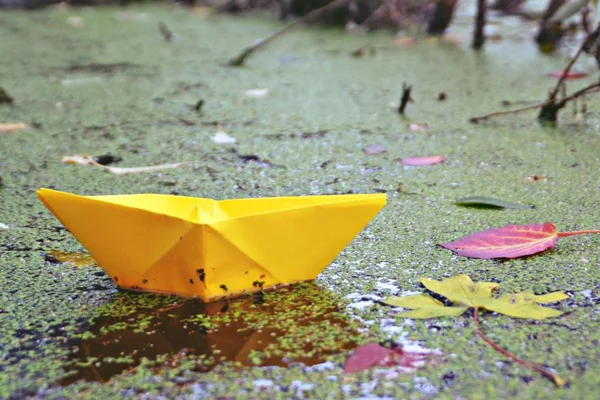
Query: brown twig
238,60
556,105
478,34
476,120
165,32
554,378
405,99
565,72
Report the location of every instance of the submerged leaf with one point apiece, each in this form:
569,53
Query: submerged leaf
510,241
491,202
372,355
77,259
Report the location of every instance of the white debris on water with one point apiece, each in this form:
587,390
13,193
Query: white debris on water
361,305
262,383
324,366
256,93
223,138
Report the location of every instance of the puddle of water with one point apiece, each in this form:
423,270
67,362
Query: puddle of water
301,323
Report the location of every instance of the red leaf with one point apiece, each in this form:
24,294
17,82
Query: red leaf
371,355
422,160
510,241
365,357
568,75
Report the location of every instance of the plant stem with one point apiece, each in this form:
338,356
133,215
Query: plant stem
588,89
554,378
584,232
238,60
476,120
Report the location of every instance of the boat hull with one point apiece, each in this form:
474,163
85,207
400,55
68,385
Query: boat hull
210,249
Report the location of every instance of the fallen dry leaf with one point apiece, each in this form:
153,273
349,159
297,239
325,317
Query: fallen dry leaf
88,160
422,160
15,127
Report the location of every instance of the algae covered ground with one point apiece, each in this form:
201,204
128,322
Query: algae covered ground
105,81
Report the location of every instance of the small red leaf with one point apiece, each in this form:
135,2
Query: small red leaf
568,75
422,160
510,241
371,355
365,357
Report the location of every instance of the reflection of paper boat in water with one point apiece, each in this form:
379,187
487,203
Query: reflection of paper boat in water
211,249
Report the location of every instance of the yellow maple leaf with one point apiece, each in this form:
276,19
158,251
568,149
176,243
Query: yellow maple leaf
465,294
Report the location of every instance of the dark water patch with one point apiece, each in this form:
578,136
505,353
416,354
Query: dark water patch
301,323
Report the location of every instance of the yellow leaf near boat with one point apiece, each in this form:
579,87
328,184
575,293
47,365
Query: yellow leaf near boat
209,249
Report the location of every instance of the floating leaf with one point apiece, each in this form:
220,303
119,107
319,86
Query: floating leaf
526,305
490,202
424,306
465,294
422,160
87,160
15,127
569,75
372,355
510,241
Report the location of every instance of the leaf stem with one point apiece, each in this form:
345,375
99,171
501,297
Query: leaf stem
572,233
554,378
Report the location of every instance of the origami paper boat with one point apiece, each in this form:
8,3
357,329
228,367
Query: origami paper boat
209,249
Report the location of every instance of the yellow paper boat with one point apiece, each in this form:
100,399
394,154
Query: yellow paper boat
211,249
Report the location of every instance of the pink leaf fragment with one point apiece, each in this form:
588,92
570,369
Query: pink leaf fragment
374,149
418,127
422,160
510,241
372,355
568,75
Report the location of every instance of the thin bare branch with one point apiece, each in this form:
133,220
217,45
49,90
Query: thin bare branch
312,16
